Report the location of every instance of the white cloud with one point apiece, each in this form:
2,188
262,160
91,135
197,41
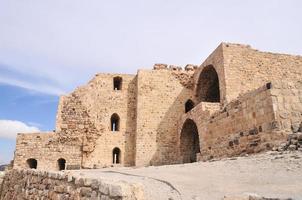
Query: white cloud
10,128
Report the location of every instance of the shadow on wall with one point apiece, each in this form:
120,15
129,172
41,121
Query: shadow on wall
130,145
167,138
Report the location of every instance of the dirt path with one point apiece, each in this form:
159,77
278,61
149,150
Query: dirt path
269,175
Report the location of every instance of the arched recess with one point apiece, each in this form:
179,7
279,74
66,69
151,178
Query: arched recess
189,105
61,164
115,122
32,163
116,156
189,142
208,85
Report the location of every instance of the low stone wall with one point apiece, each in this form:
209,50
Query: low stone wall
47,149
33,184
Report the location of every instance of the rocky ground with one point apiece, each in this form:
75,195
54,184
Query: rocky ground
273,174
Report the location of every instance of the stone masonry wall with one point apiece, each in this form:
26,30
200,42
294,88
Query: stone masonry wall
161,98
245,125
46,149
256,121
98,101
287,99
247,69
32,184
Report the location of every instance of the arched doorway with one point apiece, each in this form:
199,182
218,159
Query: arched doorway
116,156
189,142
189,105
32,163
208,85
61,164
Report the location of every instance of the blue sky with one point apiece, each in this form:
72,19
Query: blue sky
21,105
47,48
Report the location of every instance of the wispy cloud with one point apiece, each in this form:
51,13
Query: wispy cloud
42,88
29,80
10,128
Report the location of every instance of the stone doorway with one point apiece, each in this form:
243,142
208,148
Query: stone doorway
189,142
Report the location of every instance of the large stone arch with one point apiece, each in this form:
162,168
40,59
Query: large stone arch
208,89
189,142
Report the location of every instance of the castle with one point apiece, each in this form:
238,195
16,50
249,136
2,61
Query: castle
238,101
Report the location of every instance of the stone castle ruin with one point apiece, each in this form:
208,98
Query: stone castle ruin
239,101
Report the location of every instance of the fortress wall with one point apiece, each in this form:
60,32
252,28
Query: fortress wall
247,69
46,150
94,104
102,101
256,121
246,125
33,184
161,97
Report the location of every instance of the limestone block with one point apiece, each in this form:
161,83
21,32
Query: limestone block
159,66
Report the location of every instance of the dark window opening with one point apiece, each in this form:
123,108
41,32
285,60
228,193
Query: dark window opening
189,142
61,164
189,105
117,83
116,154
115,122
208,85
32,163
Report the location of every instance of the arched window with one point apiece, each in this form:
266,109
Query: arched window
189,105
32,163
117,83
116,156
115,122
208,85
189,141
61,164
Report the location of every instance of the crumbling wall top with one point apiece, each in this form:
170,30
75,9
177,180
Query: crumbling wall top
187,68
